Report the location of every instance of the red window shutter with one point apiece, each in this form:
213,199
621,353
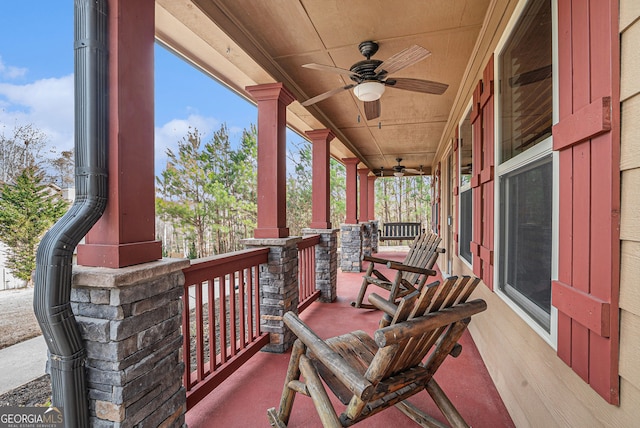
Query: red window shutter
588,141
482,183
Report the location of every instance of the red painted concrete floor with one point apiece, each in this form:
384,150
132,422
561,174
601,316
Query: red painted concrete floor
242,400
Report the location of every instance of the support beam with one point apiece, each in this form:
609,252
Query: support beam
351,190
273,99
321,191
125,235
363,173
372,197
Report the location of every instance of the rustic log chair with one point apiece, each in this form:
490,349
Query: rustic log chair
370,375
410,275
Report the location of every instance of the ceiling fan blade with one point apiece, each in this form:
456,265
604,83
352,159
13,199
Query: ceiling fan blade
326,95
372,109
417,85
413,171
329,68
403,59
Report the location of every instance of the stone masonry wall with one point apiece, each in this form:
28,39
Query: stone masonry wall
278,289
326,262
130,320
351,247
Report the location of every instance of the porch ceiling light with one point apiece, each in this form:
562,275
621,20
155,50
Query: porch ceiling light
369,91
398,173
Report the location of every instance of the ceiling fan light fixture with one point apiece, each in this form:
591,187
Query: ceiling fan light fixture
369,91
398,173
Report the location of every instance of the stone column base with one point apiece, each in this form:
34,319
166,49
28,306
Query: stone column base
326,262
278,289
351,243
130,320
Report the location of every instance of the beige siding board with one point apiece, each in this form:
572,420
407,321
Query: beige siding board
630,348
630,133
629,13
629,278
630,205
630,62
535,385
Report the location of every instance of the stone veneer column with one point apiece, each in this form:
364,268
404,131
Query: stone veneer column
375,235
367,230
326,262
278,289
351,246
130,321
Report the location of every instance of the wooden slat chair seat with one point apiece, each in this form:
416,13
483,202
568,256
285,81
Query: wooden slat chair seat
369,375
410,275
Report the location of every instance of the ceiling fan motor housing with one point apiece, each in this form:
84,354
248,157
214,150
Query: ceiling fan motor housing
365,71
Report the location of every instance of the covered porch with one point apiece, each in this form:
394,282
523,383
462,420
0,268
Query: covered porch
243,398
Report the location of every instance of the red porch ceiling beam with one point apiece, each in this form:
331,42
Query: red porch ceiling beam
320,181
273,99
125,234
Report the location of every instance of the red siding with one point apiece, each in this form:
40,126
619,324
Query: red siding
482,117
588,140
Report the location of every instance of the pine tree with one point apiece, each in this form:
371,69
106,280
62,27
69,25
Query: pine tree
27,209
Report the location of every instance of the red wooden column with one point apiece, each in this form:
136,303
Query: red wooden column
351,190
125,234
320,186
372,197
273,99
364,193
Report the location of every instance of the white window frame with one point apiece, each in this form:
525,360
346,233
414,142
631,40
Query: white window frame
467,111
539,151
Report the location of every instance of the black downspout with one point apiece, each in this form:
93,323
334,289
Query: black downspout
54,258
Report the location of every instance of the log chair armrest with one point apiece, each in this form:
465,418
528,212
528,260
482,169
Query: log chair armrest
373,259
354,381
440,250
405,330
414,269
383,304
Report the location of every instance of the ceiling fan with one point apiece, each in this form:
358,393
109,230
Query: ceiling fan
370,77
400,170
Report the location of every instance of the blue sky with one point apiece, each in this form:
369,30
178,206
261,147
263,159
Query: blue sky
36,82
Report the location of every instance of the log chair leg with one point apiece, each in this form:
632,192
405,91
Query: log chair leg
288,394
363,287
319,395
445,405
418,416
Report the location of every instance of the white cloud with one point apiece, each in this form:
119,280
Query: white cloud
168,135
10,72
46,104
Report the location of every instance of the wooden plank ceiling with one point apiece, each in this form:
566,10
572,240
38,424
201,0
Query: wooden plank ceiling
246,42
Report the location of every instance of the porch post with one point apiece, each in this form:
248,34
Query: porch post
372,197
321,196
125,235
363,179
351,190
273,99
351,231
364,194
372,213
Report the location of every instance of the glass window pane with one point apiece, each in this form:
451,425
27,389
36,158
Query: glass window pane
525,231
526,97
466,200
